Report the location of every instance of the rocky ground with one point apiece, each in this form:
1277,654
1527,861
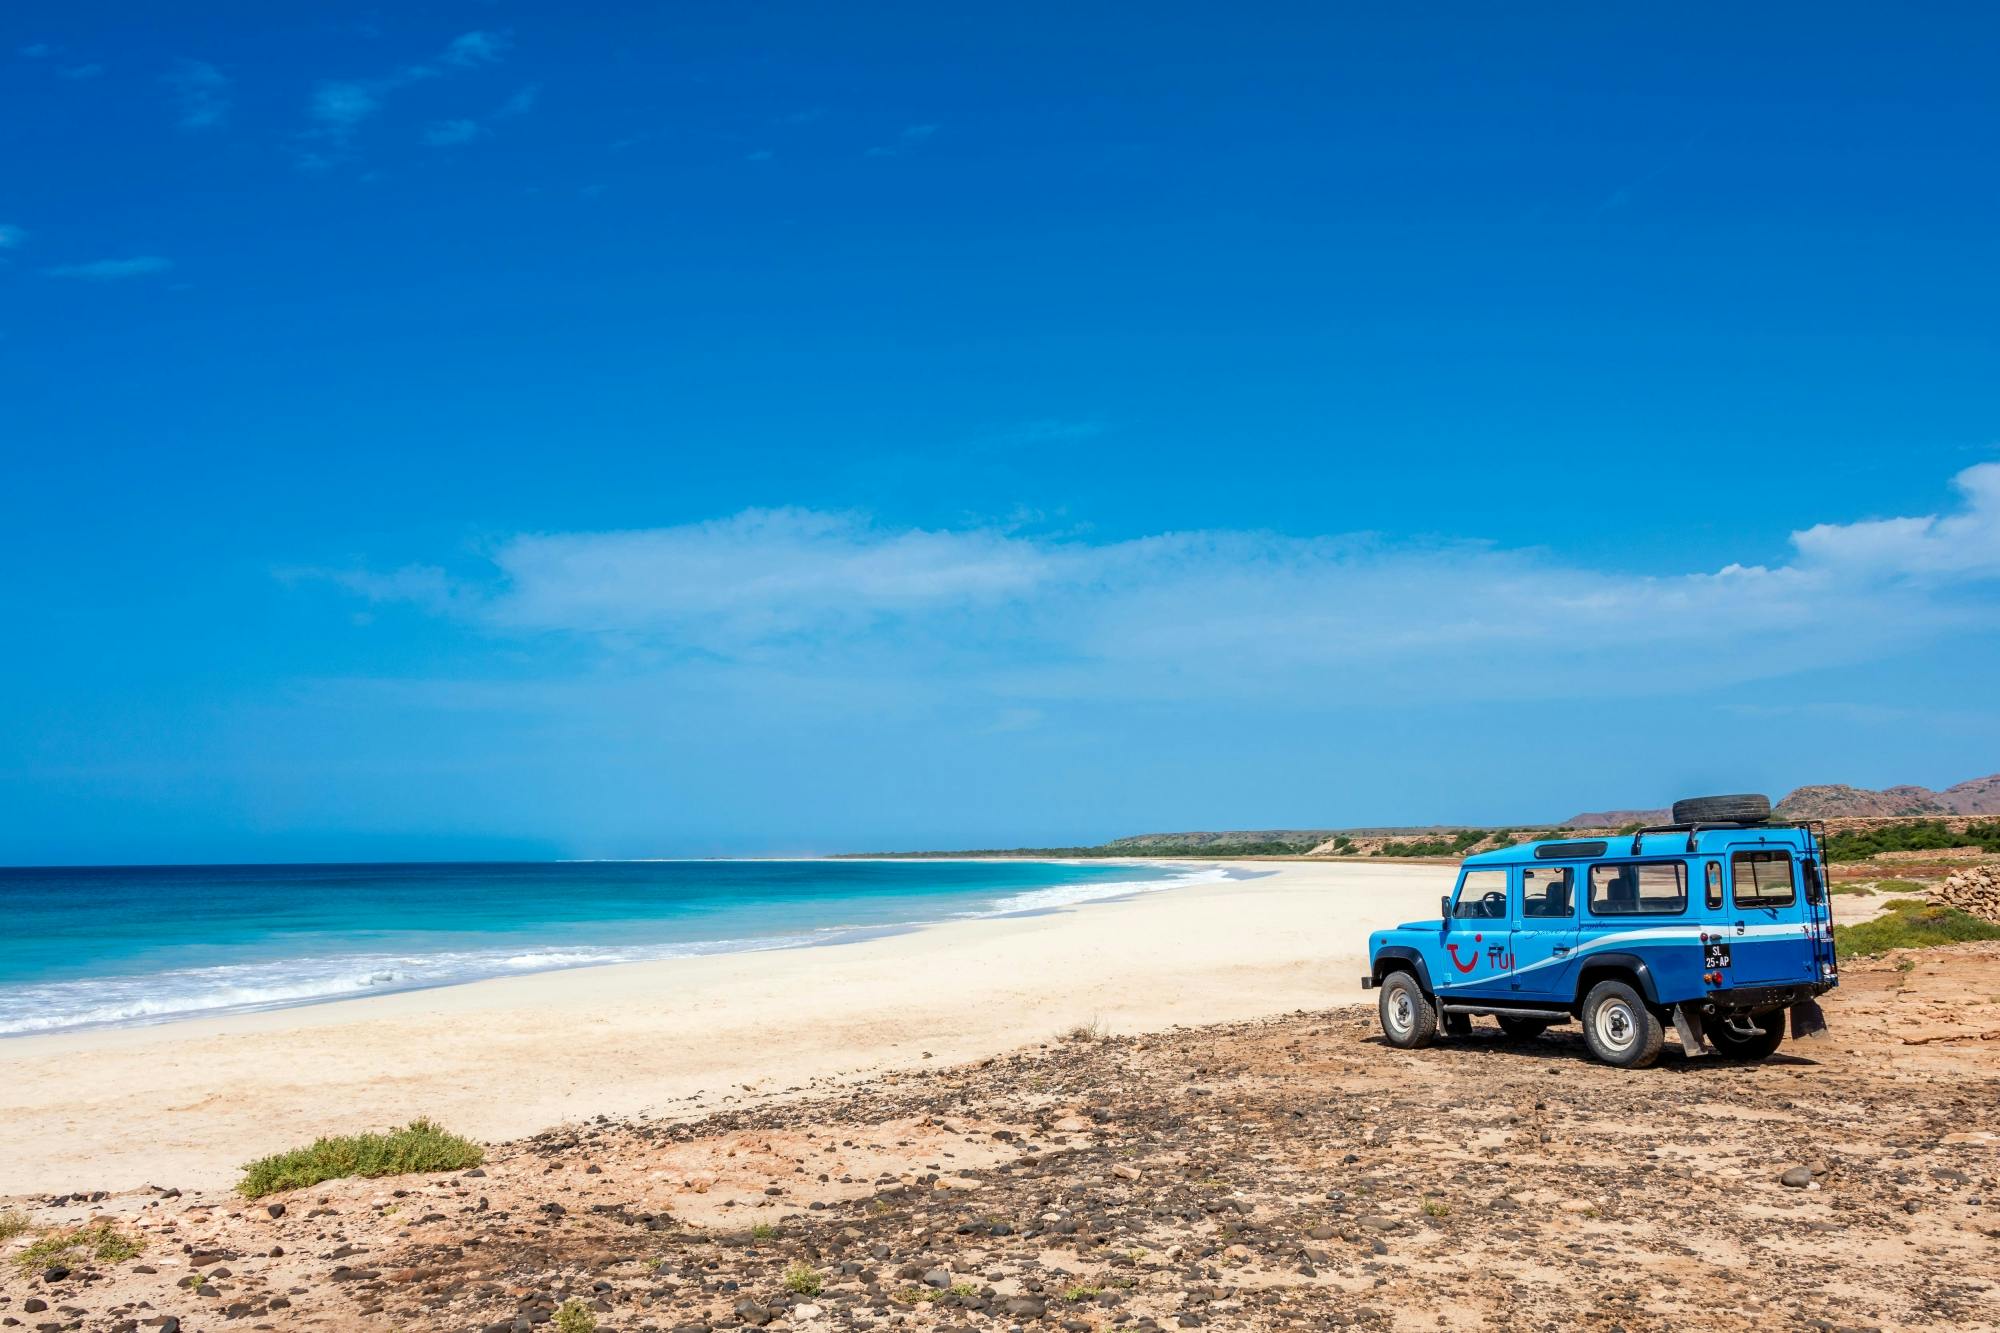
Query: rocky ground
1294,1172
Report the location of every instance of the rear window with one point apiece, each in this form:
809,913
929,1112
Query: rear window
1762,879
1654,888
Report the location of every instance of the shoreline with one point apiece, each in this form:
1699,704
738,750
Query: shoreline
148,999
185,1103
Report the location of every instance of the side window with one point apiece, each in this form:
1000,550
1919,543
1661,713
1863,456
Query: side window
1546,891
1712,895
1482,896
1657,888
1762,879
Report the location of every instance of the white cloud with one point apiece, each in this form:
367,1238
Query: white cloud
202,93
1031,618
86,71
447,133
111,270
37,51
475,48
1930,546
11,237
338,106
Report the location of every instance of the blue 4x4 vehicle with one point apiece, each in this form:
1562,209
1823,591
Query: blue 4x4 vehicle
1717,924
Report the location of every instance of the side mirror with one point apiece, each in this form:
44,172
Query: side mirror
1444,909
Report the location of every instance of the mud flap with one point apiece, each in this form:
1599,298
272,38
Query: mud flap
1687,1026
1808,1019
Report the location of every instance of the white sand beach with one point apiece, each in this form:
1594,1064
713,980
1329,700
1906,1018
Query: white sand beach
185,1104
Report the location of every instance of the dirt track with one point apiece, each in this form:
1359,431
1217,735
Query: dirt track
1291,1172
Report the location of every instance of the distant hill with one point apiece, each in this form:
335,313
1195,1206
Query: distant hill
1980,796
1617,818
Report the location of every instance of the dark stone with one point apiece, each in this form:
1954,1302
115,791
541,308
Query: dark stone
275,1209
54,1273
1797,1177
34,1305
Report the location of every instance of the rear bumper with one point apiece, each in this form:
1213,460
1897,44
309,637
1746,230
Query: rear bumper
1747,999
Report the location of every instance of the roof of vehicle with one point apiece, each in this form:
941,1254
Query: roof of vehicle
1707,838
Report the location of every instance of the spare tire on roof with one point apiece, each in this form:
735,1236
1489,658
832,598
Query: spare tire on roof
1747,808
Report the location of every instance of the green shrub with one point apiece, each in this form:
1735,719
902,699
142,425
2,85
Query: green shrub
417,1146
763,1231
12,1225
1911,923
1922,835
802,1279
100,1241
573,1316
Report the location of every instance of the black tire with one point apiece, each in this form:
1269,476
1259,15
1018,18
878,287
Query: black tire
1770,1035
1523,1029
1747,808
1409,1019
1619,1028
1456,1025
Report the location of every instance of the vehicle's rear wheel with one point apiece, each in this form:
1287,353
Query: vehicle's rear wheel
1409,1019
1747,1038
1523,1029
1456,1025
1619,1028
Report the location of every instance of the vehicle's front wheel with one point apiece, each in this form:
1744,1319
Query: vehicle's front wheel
1409,1019
1744,1038
1619,1028
1523,1029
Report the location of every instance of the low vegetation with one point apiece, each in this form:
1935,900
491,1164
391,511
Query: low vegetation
417,1146
1922,835
573,1316
1911,923
100,1241
12,1225
802,1279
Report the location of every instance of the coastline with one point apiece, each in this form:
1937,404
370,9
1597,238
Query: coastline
185,1104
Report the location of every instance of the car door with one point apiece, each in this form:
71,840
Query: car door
1769,940
1475,935
1542,945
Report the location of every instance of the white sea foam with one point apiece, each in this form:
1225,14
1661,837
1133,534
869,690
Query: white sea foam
1097,890
156,997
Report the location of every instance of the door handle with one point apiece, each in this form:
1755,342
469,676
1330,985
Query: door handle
1739,927
1560,950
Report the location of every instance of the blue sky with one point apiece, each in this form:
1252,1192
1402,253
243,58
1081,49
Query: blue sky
480,430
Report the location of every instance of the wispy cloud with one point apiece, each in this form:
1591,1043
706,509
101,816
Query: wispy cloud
11,236
471,49
1223,612
338,105
448,133
113,270
36,51
465,129
338,108
201,91
89,70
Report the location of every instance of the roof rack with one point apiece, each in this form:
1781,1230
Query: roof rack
1692,829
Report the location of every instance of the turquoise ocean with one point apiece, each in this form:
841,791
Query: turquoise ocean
97,946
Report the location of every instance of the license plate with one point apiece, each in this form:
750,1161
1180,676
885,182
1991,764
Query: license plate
1715,955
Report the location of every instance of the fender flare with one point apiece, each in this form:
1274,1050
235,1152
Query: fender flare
1403,953
1619,962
